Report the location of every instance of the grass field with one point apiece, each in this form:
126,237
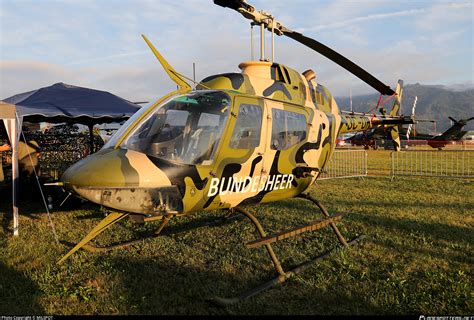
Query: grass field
416,256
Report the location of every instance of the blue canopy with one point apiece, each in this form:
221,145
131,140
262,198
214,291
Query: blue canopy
58,103
66,103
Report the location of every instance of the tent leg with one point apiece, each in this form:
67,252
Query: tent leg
15,127
15,189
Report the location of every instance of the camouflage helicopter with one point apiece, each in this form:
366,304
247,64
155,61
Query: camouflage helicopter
258,136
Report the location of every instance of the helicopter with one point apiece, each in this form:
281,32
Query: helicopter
453,133
237,139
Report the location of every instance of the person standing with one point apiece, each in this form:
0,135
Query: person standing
28,158
4,147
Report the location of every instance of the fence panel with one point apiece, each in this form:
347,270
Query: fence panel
346,164
433,163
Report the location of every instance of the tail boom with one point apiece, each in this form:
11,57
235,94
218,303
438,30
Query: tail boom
358,123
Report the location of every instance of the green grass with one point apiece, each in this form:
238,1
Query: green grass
416,257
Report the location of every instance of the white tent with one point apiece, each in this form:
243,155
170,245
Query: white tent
13,125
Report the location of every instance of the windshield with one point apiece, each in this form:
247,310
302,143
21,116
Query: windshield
186,129
119,133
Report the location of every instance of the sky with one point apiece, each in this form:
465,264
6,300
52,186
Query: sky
98,44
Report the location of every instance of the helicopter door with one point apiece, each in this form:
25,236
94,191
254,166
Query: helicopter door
287,133
240,159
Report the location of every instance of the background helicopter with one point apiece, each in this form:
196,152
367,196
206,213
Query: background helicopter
453,133
253,137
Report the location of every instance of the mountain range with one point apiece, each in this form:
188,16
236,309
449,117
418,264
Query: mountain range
435,102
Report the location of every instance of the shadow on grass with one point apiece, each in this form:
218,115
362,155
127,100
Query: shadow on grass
31,207
139,234
431,230
164,286
18,294
361,204
427,234
405,205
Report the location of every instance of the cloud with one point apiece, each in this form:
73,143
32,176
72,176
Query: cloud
444,15
25,75
367,18
443,38
114,56
428,18
135,84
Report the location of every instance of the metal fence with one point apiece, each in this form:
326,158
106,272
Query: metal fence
346,164
433,163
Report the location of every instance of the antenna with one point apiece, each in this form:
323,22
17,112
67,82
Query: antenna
194,75
412,125
273,39
413,114
262,42
251,41
350,94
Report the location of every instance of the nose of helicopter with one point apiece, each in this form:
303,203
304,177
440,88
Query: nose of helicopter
106,168
110,168
122,179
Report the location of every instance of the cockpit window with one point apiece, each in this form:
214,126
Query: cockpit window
186,129
288,129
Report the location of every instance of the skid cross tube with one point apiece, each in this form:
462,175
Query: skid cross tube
267,240
312,226
262,233
326,214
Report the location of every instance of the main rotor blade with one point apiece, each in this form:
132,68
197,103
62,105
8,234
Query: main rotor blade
260,17
340,60
233,4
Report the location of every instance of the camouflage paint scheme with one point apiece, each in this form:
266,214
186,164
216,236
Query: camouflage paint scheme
131,181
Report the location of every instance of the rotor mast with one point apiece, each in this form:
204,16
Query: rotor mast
269,24
260,18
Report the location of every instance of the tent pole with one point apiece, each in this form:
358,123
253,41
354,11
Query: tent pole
14,138
91,138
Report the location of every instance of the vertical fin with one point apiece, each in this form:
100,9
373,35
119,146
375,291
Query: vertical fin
395,112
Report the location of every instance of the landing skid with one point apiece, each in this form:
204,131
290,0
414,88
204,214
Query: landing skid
234,213
115,217
267,240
